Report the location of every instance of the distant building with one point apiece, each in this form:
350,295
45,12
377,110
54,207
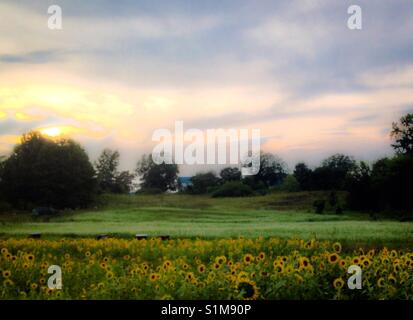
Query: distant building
184,182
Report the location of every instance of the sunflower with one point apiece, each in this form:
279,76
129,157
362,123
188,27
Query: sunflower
304,262
33,286
126,257
201,268
248,289
338,283
356,260
87,254
261,256
4,251
392,279
216,266
153,277
333,258
6,273
7,282
380,282
366,263
337,247
30,257
190,276
242,276
221,259
248,258
109,275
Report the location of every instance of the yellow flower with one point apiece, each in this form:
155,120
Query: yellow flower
30,257
153,277
248,258
201,268
33,286
333,258
6,273
304,263
380,282
338,283
221,260
248,289
7,282
337,247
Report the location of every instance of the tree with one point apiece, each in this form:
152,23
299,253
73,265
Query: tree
123,182
230,174
106,169
402,133
358,185
204,182
272,170
108,177
45,172
391,183
333,172
157,176
303,175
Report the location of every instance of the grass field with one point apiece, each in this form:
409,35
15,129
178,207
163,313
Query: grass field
284,215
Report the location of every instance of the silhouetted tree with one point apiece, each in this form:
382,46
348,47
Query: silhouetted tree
402,133
203,182
230,174
108,177
45,172
157,176
303,175
272,170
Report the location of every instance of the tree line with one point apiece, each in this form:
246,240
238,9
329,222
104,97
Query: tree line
59,174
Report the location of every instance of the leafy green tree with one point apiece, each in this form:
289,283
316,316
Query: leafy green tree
108,177
107,170
45,172
303,174
272,170
358,184
230,174
157,176
391,183
402,134
204,182
332,173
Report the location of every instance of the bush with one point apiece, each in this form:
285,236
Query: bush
290,184
150,191
233,189
202,182
319,206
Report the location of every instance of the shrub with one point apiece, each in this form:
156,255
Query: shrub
149,191
319,206
233,189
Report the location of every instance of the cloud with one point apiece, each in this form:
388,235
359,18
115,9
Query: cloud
30,57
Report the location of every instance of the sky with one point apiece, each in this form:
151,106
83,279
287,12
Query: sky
118,70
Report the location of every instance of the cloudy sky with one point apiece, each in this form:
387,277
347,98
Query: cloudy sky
118,70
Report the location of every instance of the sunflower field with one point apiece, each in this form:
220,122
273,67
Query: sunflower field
261,268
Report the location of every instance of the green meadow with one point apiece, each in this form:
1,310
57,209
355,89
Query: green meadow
284,215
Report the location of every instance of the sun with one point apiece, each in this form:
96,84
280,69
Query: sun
52,132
